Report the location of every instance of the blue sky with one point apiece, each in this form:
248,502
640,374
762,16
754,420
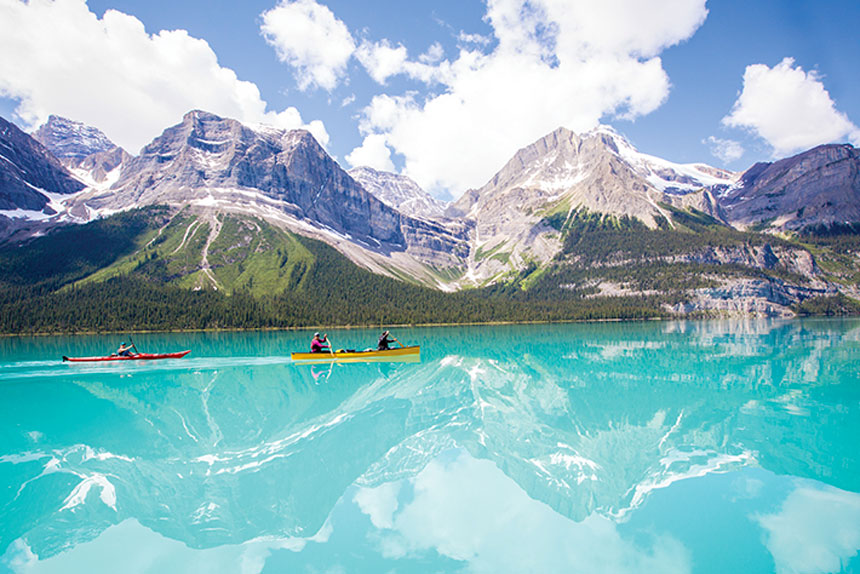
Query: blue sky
446,91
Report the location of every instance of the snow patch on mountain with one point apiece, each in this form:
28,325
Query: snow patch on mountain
664,175
554,174
87,176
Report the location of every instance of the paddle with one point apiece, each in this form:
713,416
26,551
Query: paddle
133,345
398,342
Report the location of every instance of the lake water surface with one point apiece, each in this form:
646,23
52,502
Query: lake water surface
729,446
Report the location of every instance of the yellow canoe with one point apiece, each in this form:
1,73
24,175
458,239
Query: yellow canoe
401,354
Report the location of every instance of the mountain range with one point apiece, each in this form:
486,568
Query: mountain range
571,215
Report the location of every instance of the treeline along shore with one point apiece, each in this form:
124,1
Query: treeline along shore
46,284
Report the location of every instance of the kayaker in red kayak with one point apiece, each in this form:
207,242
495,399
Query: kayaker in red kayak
126,351
132,357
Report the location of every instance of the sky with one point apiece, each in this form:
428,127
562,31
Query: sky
446,91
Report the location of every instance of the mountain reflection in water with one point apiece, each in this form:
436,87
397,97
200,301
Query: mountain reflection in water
592,447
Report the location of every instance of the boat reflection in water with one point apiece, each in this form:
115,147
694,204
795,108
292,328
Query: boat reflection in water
659,447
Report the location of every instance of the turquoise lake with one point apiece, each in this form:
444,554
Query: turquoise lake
714,446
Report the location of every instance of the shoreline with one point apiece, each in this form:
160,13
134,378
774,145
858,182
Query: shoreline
417,325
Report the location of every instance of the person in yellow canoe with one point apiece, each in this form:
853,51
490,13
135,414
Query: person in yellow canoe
320,344
384,341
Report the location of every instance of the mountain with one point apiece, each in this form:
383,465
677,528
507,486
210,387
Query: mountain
30,174
399,192
590,217
819,187
207,159
573,226
214,165
563,173
71,140
84,149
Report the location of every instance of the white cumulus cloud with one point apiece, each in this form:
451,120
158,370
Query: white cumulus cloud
726,150
379,503
60,58
554,63
373,152
382,61
789,108
308,36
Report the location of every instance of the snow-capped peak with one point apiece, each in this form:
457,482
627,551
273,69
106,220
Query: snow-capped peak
666,176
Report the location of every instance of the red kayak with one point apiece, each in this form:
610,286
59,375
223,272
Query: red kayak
138,357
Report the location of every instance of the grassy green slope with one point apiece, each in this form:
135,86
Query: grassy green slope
140,270
74,252
170,248
253,256
247,255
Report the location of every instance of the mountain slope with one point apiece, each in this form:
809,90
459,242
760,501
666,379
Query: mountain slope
216,165
700,266
399,192
819,187
84,149
155,269
246,254
29,172
563,173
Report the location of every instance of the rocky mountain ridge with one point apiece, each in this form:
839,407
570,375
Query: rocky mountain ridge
30,174
563,173
819,187
71,140
399,192
520,221
87,152
216,165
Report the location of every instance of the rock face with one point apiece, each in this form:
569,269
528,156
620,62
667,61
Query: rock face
286,177
599,171
84,149
102,168
206,153
763,296
563,172
71,140
818,187
399,192
27,169
744,297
